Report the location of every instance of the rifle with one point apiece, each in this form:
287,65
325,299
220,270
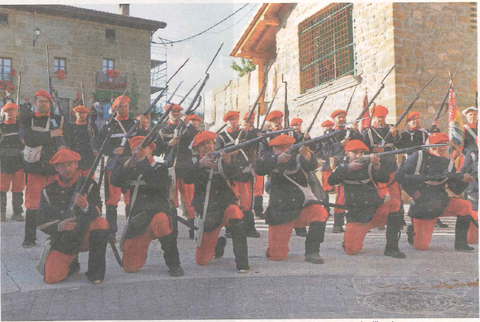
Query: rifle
19,83
321,138
316,114
285,107
400,119
439,112
366,157
418,178
89,120
375,96
268,110
350,101
250,113
220,129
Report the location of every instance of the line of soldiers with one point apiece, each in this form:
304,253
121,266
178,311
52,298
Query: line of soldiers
225,190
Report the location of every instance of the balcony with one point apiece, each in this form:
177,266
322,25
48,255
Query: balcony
103,82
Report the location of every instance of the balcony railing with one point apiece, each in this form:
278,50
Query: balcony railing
103,82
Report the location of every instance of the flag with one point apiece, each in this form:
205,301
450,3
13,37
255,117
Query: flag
366,115
455,125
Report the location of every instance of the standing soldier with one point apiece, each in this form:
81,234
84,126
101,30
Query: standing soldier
121,125
80,137
275,118
148,184
11,163
471,166
40,146
325,167
86,231
292,202
430,200
335,150
241,183
219,207
367,210
194,120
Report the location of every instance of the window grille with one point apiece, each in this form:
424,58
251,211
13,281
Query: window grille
326,46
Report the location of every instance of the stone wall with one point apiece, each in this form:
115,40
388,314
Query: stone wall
84,45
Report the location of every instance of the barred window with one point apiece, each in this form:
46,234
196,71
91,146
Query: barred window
326,46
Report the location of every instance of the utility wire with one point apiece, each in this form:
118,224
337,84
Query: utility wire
236,23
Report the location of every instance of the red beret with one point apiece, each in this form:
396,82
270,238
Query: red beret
175,107
411,115
203,136
81,108
246,115
136,140
337,112
230,114
436,138
44,94
282,139
122,98
193,117
379,110
296,121
327,123
355,145
274,115
65,155
9,106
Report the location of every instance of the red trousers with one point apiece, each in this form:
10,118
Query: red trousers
393,190
33,191
15,180
206,251
135,249
243,191
279,236
258,187
57,265
325,185
114,193
356,232
340,200
423,228
186,193
472,235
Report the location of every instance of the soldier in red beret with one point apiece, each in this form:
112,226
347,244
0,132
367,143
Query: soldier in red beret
209,174
71,233
194,120
335,150
81,137
241,183
325,167
11,164
430,199
121,125
148,183
40,146
292,202
366,208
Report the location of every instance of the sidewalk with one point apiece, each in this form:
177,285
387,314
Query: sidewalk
438,283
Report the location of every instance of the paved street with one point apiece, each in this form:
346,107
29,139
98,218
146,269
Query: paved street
438,283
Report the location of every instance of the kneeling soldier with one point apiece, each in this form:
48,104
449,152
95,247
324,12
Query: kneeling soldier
149,219
367,209
87,231
430,199
292,202
211,177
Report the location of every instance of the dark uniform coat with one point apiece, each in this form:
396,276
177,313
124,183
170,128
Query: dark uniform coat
333,148
120,128
10,148
469,138
77,138
471,166
373,136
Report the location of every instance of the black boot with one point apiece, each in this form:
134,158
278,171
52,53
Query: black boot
96,255
461,229
315,236
440,224
170,254
338,223
191,232
17,202
250,224
394,224
74,266
3,206
240,248
30,229
410,234
111,217
258,207
301,231
220,247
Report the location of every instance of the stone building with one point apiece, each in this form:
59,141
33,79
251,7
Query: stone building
323,49
83,44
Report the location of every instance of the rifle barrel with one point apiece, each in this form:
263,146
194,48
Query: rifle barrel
321,138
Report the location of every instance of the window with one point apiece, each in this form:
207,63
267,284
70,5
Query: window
326,46
59,63
3,19
5,69
108,64
110,34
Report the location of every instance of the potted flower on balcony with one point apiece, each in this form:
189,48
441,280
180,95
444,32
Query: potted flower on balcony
60,74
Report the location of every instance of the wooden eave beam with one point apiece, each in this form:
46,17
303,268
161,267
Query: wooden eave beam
270,20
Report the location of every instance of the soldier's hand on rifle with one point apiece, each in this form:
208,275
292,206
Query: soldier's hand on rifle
394,131
436,124
208,162
307,136
63,147
344,141
67,225
81,201
174,141
305,152
283,158
354,165
56,133
95,152
377,149
226,157
119,150
468,178
375,160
